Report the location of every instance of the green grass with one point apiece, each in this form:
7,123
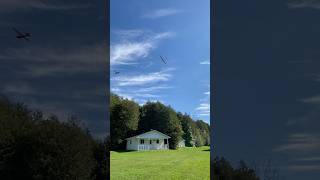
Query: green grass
184,164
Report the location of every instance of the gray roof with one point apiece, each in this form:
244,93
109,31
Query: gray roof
145,135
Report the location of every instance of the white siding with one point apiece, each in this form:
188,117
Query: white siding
133,143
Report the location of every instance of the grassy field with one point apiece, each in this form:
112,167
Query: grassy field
184,164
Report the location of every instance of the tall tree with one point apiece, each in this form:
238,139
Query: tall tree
204,130
124,118
32,147
155,115
186,122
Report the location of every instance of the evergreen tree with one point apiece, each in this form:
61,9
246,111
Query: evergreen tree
186,128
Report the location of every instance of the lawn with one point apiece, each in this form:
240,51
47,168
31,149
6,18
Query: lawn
184,164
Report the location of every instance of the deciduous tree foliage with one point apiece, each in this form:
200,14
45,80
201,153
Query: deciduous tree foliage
124,118
34,147
155,115
221,169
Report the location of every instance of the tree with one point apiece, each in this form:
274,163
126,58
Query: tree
221,169
34,147
244,172
204,130
102,156
186,121
157,116
124,118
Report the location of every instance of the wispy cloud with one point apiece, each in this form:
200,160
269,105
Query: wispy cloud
317,158
58,6
313,99
142,79
304,4
128,33
205,63
18,88
51,5
203,109
300,143
126,53
130,51
159,13
142,87
52,61
207,93
303,167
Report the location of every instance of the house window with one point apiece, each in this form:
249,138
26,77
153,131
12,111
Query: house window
157,141
150,142
141,141
165,141
130,141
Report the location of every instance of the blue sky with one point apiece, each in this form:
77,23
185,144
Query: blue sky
267,104
143,30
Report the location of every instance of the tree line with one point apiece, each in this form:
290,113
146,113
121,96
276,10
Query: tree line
221,169
128,118
36,147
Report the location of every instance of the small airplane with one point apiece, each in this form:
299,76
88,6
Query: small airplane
116,72
22,35
164,59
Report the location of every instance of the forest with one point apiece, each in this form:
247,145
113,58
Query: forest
128,118
33,146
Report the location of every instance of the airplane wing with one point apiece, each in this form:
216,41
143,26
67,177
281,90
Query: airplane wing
26,39
18,32
166,58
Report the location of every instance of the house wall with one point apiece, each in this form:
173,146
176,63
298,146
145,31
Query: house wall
135,143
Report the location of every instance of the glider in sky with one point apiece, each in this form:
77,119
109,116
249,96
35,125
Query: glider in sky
164,60
21,35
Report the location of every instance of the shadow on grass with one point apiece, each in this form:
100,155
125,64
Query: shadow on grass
206,150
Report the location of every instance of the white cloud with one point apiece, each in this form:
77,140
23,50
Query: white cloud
141,79
126,53
141,87
152,88
128,33
207,93
205,63
130,51
161,13
203,109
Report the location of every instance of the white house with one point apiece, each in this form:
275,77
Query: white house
152,140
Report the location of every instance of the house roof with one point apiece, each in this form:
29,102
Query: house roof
153,134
